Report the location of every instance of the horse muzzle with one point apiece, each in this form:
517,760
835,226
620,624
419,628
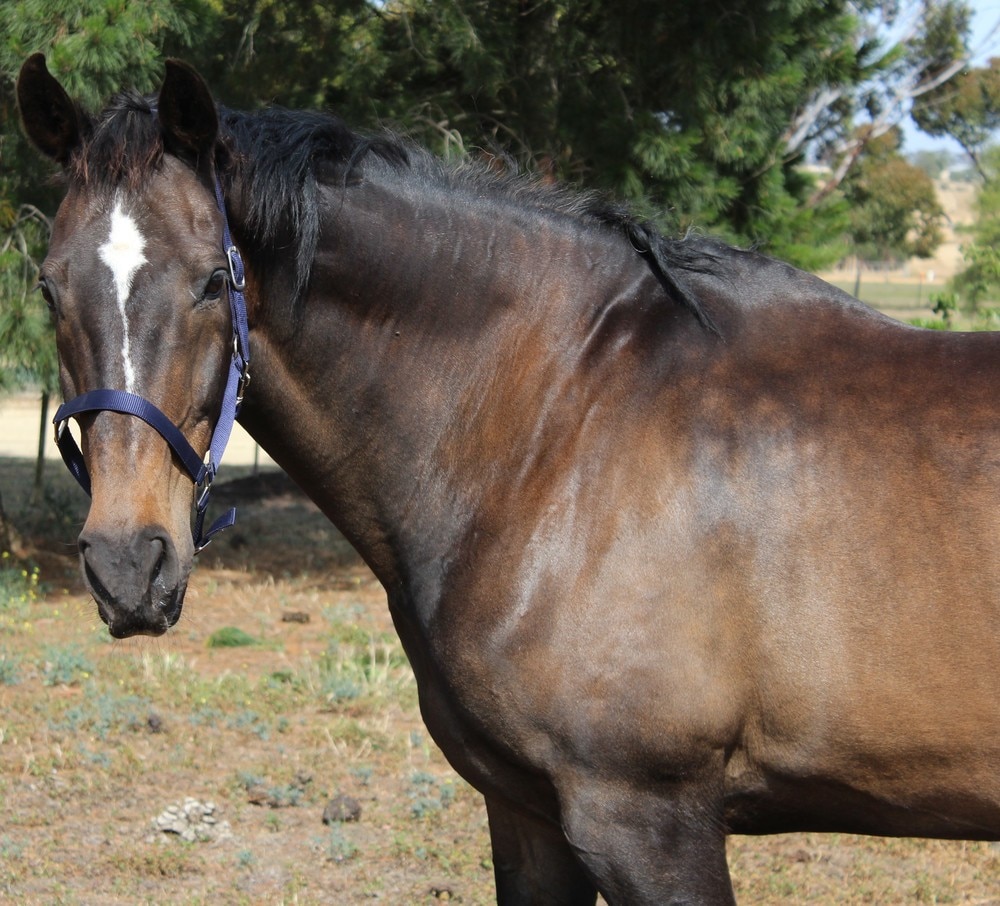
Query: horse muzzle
138,580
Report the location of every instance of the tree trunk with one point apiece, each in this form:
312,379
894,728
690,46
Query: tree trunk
43,430
7,534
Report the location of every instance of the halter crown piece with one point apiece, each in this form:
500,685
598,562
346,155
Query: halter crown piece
202,472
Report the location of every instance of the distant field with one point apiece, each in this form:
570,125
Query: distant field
890,297
909,301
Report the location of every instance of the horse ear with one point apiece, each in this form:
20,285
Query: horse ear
51,120
187,113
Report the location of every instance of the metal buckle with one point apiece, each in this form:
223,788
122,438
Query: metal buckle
206,483
244,380
241,386
236,267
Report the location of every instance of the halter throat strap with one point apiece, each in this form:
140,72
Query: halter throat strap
201,471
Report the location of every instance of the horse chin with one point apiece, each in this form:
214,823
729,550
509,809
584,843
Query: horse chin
153,615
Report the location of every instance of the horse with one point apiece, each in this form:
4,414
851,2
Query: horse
679,541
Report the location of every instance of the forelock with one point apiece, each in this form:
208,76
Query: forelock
122,146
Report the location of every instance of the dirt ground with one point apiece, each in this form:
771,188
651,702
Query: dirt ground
98,739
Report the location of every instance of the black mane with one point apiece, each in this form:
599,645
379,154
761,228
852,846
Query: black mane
277,159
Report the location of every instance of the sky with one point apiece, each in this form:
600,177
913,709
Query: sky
987,12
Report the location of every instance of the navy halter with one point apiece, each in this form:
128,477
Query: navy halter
202,471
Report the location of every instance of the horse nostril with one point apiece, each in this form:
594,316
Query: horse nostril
138,580
160,549
99,589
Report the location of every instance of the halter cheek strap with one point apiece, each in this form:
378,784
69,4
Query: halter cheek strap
201,471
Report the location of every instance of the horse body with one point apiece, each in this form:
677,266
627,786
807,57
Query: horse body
736,511
658,582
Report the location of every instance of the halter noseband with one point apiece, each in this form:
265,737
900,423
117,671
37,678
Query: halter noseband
202,471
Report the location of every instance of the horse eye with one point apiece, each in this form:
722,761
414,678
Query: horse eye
43,288
213,289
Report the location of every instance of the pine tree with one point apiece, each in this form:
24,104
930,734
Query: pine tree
94,47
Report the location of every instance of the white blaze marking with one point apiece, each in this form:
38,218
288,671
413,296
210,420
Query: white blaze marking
123,254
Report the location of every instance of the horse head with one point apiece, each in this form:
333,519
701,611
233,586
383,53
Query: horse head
137,281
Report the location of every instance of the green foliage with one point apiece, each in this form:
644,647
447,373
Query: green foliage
18,584
96,46
250,721
895,211
682,109
280,795
946,308
945,305
699,114
65,666
338,846
104,714
231,637
10,668
980,278
428,794
27,345
967,109
358,664
686,110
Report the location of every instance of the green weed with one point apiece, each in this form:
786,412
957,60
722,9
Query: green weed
159,862
339,847
231,637
365,666
105,713
65,666
285,795
19,586
10,669
251,721
429,794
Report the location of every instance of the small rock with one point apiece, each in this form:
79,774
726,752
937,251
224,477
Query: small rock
154,722
193,821
342,808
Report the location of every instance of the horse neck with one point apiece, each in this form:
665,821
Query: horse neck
435,347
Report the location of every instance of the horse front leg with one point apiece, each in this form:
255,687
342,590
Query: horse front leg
532,862
650,847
